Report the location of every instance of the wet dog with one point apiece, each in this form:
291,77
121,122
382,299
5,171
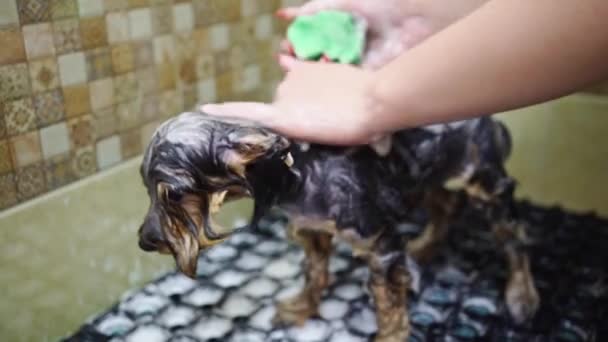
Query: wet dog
195,163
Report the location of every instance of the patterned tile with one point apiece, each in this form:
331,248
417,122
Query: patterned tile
99,63
162,19
66,34
58,171
6,163
49,107
76,100
44,75
130,143
108,152
125,87
144,53
115,5
8,12
83,161
72,68
129,115
140,23
147,81
61,9
8,189
14,81
183,17
25,149
81,131
117,24
55,140
38,40
90,8
33,11
101,93
30,181
205,66
19,116
105,122
123,59
93,32
13,50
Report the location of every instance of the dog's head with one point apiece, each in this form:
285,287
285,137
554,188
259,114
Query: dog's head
193,165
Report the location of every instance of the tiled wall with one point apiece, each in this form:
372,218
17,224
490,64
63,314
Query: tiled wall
83,83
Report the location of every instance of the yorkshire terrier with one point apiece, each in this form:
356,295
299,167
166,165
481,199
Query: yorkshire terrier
195,163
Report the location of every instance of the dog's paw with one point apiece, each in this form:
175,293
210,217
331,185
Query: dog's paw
522,297
295,310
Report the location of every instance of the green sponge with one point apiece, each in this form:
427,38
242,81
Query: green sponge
337,35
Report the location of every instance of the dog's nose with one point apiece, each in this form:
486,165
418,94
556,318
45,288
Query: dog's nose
146,245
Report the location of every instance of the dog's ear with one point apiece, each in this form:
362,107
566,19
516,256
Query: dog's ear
248,144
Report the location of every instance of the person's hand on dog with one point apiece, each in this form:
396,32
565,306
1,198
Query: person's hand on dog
340,113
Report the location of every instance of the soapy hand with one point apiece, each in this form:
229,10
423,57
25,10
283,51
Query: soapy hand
316,102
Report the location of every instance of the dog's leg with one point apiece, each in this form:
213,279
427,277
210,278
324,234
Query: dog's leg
317,246
389,281
520,294
441,205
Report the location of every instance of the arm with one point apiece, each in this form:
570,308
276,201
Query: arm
505,55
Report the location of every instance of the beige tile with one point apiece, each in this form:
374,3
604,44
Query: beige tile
162,19
25,149
130,143
13,50
125,87
219,37
8,12
249,8
55,140
147,131
248,79
149,108
115,5
61,9
206,91
140,22
170,103
101,93
90,8
38,40
144,53
147,81
164,49
264,27
105,122
76,100
183,17
108,152
72,68
117,24
129,115
44,75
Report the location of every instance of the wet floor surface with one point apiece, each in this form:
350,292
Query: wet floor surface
456,298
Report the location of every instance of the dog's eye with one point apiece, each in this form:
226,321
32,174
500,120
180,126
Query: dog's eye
174,196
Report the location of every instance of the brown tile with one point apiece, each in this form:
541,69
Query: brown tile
61,9
81,131
26,149
130,143
6,162
206,12
144,54
229,10
147,81
105,122
190,97
8,189
162,19
58,171
66,34
76,99
2,123
33,11
137,3
44,75
13,50
102,93
224,87
170,103
149,108
49,107
84,161
123,60
125,87
99,63
166,76
38,40
115,5
187,70
19,116
14,81
200,41
30,181
93,32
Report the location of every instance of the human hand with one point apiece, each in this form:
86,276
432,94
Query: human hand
394,25
316,102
